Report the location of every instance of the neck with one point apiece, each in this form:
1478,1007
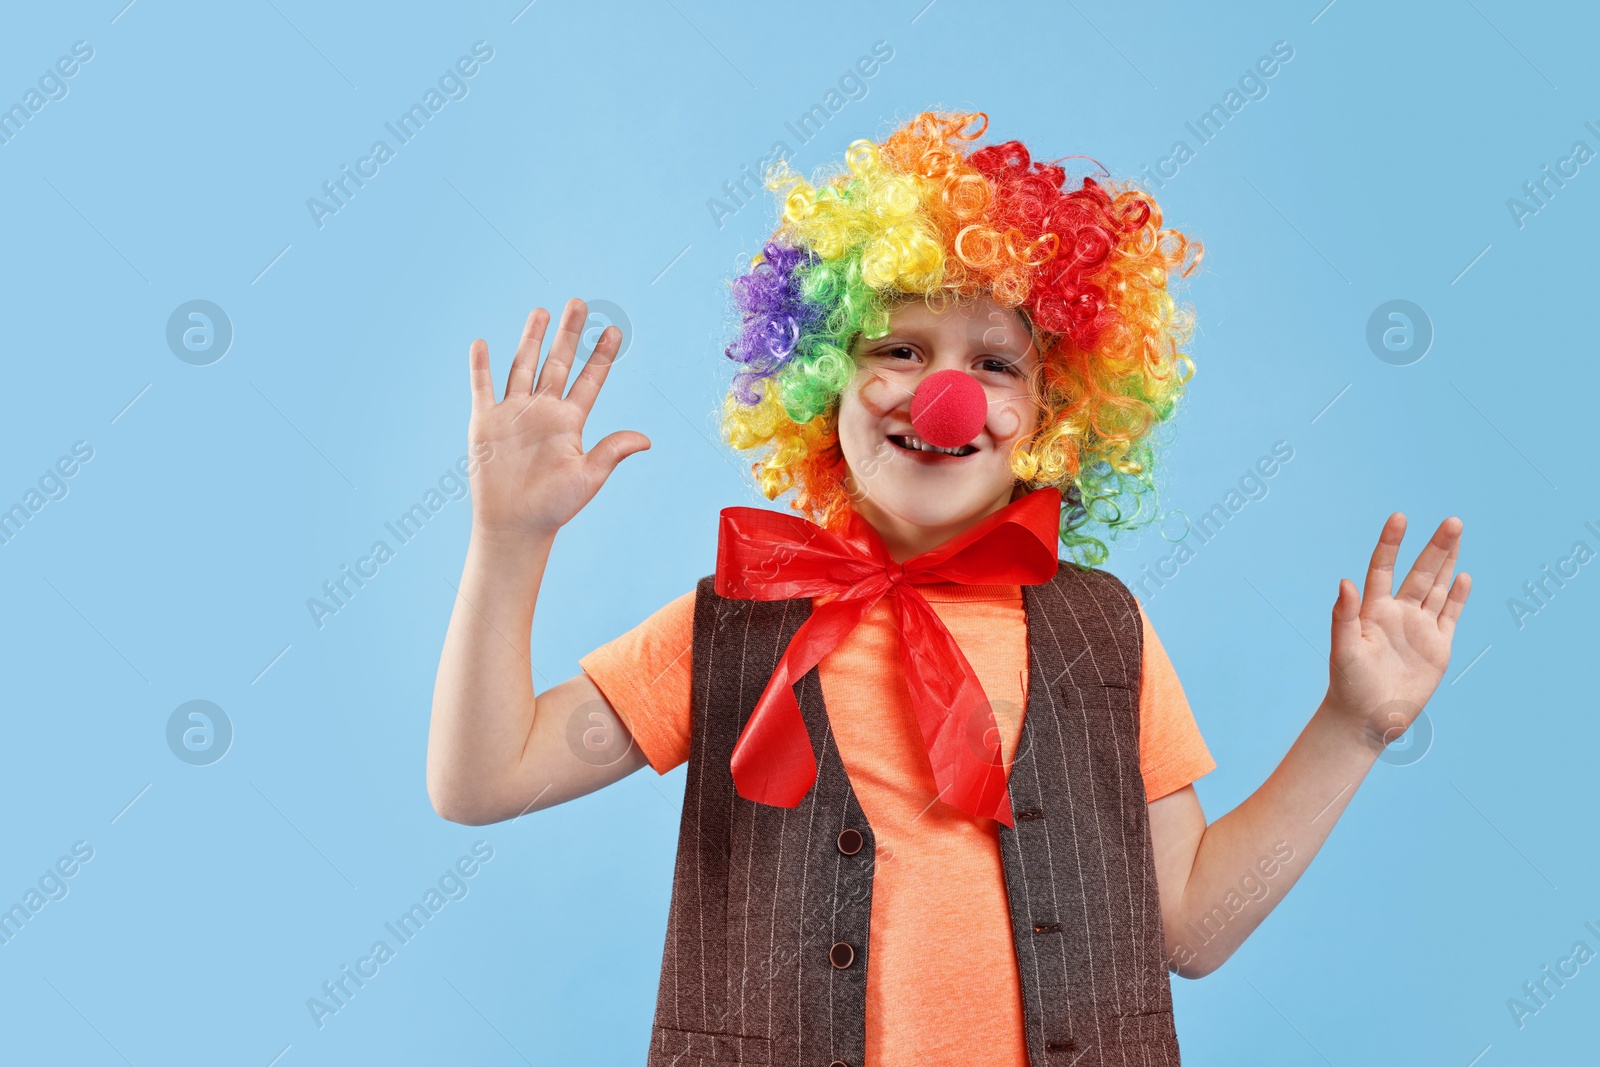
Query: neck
906,539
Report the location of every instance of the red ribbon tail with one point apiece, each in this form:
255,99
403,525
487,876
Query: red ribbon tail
982,790
954,714
772,761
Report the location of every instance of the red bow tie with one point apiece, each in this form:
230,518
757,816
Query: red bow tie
770,555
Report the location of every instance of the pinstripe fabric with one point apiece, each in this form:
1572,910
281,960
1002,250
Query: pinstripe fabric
761,894
1080,871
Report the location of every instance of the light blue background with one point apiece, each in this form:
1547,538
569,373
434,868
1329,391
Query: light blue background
1378,167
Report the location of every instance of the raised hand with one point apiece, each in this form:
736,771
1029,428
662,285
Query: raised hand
1390,651
536,476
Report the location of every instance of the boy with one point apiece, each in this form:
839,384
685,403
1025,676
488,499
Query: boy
939,804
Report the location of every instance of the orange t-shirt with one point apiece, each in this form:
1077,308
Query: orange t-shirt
942,980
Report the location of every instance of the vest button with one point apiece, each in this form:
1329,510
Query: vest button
850,842
838,1063
841,955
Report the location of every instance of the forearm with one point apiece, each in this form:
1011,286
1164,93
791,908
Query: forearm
1249,858
483,698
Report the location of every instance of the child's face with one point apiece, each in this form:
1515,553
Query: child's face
916,499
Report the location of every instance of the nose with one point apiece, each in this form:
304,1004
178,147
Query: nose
949,408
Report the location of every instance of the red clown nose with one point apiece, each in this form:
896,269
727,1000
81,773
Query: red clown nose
949,409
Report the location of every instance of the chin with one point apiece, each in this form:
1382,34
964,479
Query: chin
936,506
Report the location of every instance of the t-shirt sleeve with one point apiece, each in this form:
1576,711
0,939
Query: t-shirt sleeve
646,675
1171,751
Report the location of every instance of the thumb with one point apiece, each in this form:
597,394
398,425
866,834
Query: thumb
612,449
1346,617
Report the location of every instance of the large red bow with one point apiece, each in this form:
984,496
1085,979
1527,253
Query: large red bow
769,555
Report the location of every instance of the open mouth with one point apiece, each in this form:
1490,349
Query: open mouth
909,443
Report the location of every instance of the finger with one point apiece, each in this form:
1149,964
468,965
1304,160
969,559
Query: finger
553,377
1425,570
527,357
478,375
587,385
1454,603
612,449
1380,571
1346,616
1441,582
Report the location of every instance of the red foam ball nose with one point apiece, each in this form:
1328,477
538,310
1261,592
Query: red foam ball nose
949,409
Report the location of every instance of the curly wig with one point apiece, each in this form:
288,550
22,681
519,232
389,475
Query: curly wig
926,214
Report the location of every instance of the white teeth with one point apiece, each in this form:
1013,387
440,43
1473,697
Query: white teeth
922,446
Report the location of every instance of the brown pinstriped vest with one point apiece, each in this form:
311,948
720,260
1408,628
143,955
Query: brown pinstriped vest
767,936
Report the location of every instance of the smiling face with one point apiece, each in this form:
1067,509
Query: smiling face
913,496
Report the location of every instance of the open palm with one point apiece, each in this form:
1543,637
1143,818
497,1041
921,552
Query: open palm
537,476
1390,651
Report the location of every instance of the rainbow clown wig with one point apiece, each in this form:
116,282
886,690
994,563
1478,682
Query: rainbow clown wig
926,214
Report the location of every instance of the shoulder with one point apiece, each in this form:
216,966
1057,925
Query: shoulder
1090,583
709,607
714,612
1095,602
1087,622
1072,572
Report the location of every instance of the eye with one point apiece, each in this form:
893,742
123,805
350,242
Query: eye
899,352
999,365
